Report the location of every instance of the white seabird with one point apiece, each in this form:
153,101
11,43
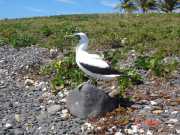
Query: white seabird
92,64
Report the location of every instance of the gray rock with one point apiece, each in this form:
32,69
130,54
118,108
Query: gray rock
53,109
89,102
18,131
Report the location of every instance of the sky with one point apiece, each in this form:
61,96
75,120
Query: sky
31,8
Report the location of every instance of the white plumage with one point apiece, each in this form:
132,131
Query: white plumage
92,64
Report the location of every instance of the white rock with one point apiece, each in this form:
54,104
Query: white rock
112,129
39,128
8,125
153,103
174,112
66,92
147,107
172,120
118,133
41,85
178,131
53,52
149,133
27,87
88,126
52,128
29,82
65,111
129,131
50,101
63,100
166,111
141,131
43,108
134,128
60,94
99,128
170,125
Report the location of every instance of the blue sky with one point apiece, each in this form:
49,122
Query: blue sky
29,8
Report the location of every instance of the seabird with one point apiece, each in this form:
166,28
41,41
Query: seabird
92,64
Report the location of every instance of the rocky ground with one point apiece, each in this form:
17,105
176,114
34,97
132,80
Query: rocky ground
27,105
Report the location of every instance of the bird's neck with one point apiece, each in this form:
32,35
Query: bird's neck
83,45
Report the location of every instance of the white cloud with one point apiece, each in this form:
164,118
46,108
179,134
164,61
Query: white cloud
66,1
37,10
108,3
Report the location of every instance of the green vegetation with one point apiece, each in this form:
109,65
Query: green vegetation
156,64
22,40
152,36
65,73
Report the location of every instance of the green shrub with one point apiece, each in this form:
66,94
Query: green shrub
2,41
130,77
46,31
22,40
66,73
156,64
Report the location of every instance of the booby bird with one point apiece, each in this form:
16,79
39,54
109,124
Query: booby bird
92,64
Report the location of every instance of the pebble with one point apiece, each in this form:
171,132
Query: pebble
134,128
153,103
66,92
112,129
65,111
60,94
2,84
42,116
178,131
170,125
149,133
8,125
41,85
18,131
29,82
50,101
87,126
141,131
174,112
53,109
99,128
53,52
129,131
147,107
63,100
118,133
172,121
157,112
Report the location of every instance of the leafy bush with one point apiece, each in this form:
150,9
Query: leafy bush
2,41
131,77
22,40
46,31
65,73
156,64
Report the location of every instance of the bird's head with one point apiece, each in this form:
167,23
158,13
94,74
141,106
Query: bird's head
83,36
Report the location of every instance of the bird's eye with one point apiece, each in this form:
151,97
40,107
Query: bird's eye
77,37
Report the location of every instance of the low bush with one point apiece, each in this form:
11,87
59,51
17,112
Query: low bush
22,40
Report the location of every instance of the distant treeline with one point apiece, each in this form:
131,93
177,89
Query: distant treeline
145,6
